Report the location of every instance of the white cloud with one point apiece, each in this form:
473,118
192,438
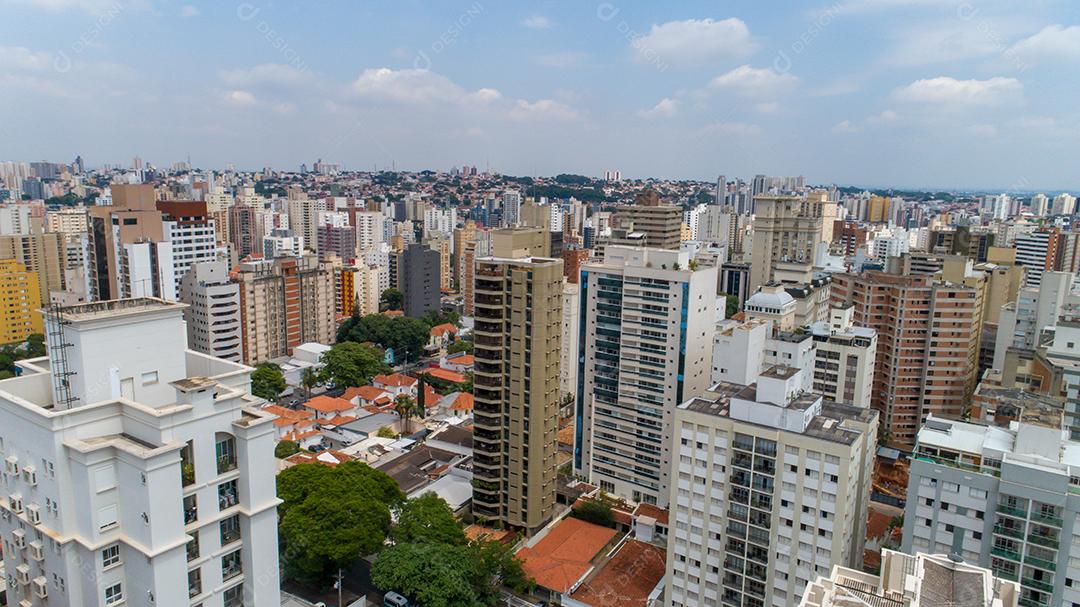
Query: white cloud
731,128
834,89
754,82
1052,42
543,110
23,59
536,22
983,130
845,127
695,41
884,117
955,40
240,98
767,107
666,108
273,75
949,92
563,59
414,87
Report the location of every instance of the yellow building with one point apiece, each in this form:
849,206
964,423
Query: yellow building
20,302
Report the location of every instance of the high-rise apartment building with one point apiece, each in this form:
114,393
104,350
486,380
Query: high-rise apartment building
370,230
187,227
247,229
418,279
644,347
1036,252
336,239
770,487
1002,498
136,471
928,335
284,302
304,217
67,220
20,314
281,242
511,208
129,254
845,357
213,310
43,253
15,218
913,580
786,229
517,335
661,224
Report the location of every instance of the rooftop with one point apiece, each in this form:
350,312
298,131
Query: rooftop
117,307
565,554
627,579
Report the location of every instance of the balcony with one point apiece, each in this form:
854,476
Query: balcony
230,530
1005,553
1026,601
193,548
1040,563
227,495
226,453
191,509
1013,532
1012,511
231,566
1037,584
1044,540
1046,518
194,583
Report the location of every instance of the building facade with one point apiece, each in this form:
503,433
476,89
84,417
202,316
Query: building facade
213,311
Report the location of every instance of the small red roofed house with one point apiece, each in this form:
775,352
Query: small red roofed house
396,384
564,556
459,364
441,336
457,404
327,407
446,375
329,458
368,396
290,420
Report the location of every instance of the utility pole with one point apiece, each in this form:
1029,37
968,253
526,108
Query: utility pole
339,586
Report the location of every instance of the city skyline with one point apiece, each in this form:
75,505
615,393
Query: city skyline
882,93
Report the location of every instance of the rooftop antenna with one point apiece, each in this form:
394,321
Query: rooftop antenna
58,347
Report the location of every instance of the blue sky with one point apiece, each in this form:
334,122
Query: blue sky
919,93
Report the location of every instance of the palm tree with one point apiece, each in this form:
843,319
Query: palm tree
405,407
308,379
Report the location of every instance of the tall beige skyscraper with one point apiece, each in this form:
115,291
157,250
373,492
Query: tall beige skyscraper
43,253
786,228
660,223
518,311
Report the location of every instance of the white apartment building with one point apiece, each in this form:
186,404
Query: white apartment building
15,219
136,471
1001,497
192,242
213,310
304,218
769,491
439,222
845,356
282,243
1033,251
370,230
146,269
644,347
913,580
1023,321
571,325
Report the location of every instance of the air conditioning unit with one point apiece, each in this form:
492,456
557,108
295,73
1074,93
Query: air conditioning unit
41,587
30,475
18,537
15,503
33,512
11,465
22,574
37,551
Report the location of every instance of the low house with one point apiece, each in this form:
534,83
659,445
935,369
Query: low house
441,336
362,428
632,577
419,467
460,363
329,458
290,420
368,396
306,439
561,556
396,384
457,404
446,375
329,407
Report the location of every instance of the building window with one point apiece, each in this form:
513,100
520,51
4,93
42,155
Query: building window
110,556
114,594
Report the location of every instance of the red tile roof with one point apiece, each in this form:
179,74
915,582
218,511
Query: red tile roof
395,380
651,510
367,393
304,457
465,360
299,436
565,554
329,404
339,420
443,329
447,375
627,579
464,402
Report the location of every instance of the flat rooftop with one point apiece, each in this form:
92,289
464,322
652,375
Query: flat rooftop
116,307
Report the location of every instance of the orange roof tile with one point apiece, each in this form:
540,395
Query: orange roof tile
564,555
326,458
464,402
464,360
368,393
396,380
284,412
339,420
329,404
299,436
447,375
443,329
627,579
653,511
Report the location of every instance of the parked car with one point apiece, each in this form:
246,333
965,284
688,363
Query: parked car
393,599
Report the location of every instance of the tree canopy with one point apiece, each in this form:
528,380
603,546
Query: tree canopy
352,364
427,519
286,448
330,517
33,347
596,513
392,299
267,381
407,336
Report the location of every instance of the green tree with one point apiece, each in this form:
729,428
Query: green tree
285,449
35,345
407,408
386,432
497,566
732,306
439,317
427,518
267,381
329,517
392,299
595,513
431,574
309,378
461,345
407,336
352,364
